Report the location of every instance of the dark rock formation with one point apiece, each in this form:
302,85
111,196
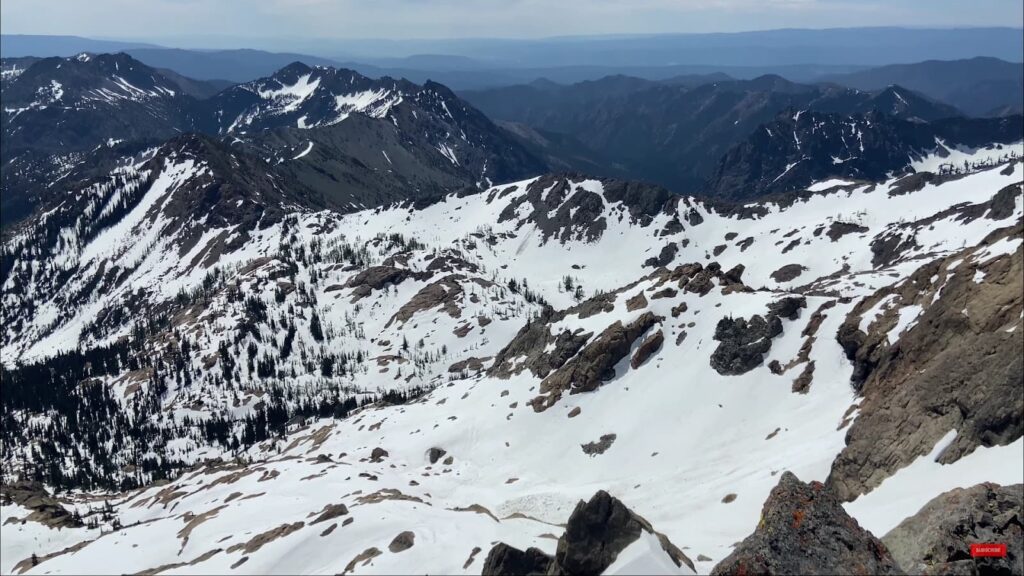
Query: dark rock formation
788,307
435,454
597,531
504,560
804,530
839,229
378,454
787,272
742,343
937,540
665,257
600,446
636,302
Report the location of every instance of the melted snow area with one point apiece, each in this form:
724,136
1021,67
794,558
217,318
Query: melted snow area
686,436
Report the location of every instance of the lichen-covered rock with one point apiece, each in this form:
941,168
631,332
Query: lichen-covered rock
804,530
937,540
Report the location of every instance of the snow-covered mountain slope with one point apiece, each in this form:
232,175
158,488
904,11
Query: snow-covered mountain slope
356,142
427,119
489,360
92,99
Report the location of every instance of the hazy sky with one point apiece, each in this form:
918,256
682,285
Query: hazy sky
195,22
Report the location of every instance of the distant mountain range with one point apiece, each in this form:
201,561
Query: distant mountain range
675,134
799,55
979,86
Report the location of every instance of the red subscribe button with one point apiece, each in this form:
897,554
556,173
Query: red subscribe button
988,550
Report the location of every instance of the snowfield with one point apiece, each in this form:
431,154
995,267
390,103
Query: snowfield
685,435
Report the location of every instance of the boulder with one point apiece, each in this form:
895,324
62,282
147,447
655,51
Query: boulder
435,454
805,530
402,542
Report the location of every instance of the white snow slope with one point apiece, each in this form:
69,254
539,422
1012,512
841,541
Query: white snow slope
685,436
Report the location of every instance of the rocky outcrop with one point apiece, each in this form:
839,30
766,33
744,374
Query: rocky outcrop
532,343
597,532
788,307
504,560
595,363
937,540
953,369
742,343
804,530
375,278
445,293
45,509
787,272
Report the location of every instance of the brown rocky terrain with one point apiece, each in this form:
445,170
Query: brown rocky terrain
958,368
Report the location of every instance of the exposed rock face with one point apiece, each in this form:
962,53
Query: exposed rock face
596,362
937,539
636,302
504,560
532,340
564,212
375,278
597,531
649,347
45,509
445,293
804,530
952,370
743,343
